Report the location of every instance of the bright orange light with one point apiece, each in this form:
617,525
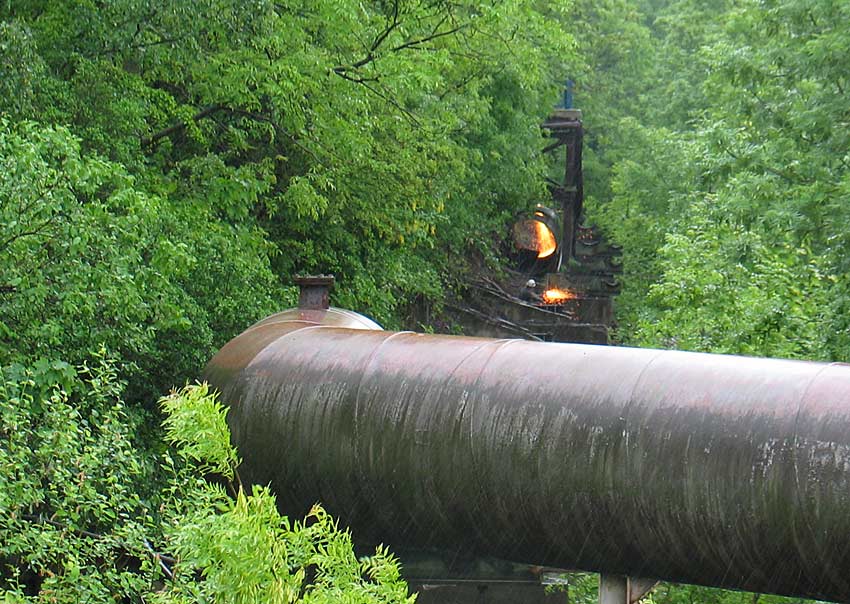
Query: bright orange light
546,244
557,296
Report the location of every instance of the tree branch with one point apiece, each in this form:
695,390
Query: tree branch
376,43
161,558
371,56
343,73
432,36
148,141
387,31
259,117
32,232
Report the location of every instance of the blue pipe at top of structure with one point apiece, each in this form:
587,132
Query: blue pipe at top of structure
569,87
708,469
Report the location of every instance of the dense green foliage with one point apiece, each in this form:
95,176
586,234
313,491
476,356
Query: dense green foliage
378,141
89,259
68,495
76,527
728,184
167,167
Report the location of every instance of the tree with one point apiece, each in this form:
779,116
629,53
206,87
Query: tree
88,259
381,141
731,209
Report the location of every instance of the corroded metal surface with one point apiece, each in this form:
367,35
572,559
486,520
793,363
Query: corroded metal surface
336,317
314,291
707,469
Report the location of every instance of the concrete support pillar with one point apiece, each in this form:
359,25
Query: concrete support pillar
617,589
613,589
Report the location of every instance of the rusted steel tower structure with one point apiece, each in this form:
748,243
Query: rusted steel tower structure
565,275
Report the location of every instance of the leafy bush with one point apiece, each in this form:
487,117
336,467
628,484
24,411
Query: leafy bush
81,521
74,512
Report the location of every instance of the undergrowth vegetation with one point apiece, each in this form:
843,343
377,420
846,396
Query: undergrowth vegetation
75,526
168,166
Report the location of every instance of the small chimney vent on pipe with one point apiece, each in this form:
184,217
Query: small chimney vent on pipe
315,291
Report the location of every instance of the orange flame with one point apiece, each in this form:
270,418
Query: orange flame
557,296
546,244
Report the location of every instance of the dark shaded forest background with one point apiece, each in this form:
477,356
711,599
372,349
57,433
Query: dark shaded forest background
167,167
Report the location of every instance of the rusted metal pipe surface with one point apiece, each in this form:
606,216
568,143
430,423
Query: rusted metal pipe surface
708,469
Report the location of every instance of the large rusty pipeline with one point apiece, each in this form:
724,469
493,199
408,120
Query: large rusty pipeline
707,469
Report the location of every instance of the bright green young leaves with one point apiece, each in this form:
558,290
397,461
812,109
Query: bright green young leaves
243,548
85,517
88,259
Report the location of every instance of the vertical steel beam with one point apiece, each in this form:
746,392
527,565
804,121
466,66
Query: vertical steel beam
613,589
617,589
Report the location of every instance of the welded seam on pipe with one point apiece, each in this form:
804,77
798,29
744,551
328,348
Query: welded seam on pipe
466,402
468,405
497,346
797,487
630,401
369,362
